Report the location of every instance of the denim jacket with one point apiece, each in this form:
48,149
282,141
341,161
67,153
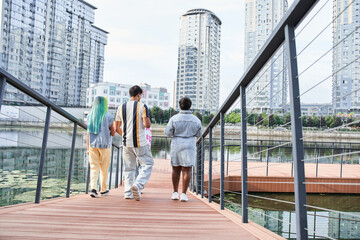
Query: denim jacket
184,125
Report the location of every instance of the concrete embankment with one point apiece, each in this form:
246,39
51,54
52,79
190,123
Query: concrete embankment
232,132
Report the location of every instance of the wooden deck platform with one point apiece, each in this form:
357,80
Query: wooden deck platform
156,216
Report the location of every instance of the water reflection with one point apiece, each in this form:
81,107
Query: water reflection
261,151
281,218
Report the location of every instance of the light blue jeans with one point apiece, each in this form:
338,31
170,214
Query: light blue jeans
132,158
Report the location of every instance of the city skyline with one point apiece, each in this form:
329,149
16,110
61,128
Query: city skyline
142,47
54,48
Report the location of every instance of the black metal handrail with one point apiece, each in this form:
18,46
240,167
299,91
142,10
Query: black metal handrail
7,78
284,32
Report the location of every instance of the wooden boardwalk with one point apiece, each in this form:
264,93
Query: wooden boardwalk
113,217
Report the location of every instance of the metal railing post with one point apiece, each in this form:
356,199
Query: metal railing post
297,135
198,169
244,173
202,166
117,168
71,161
317,161
210,167
2,90
43,155
341,163
87,179
267,161
111,165
222,161
261,152
122,167
192,179
227,161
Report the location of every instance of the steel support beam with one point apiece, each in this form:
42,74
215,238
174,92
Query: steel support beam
2,90
297,135
43,155
71,160
202,165
222,161
244,173
111,165
87,178
210,167
197,182
121,167
117,168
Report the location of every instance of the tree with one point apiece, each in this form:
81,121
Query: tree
277,120
265,118
348,121
304,121
211,116
259,120
251,119
322,122
198,115
336,123
287,119
157,114
315,121
329,121
309,122
271,120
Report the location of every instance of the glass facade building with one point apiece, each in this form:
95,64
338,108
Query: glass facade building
198,72
268,92
346,52
53,47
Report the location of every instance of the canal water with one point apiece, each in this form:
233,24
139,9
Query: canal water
20,152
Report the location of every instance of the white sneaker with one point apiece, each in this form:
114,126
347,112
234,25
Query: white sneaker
136,192
183,198
175,196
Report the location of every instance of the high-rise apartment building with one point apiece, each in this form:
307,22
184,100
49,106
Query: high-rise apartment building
269,92
53,47
198,73
346,52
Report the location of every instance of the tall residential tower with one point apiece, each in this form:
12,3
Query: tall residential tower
269,92
198,72
53,47
346,52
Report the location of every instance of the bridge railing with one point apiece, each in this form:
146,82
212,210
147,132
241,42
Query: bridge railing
46,155
258,108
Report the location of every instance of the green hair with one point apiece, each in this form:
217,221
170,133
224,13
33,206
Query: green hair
97,114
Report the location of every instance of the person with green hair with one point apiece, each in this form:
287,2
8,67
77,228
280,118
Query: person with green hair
99,141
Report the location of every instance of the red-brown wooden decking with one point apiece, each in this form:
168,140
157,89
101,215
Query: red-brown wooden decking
113,217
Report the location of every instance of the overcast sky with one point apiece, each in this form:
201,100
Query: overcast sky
144,37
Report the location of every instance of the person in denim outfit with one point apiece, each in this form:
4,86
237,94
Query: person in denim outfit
183,127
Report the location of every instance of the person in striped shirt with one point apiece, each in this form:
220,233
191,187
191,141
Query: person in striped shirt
131,119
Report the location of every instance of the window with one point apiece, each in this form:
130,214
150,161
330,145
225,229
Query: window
105,91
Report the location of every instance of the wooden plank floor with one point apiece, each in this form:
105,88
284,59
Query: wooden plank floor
156,216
